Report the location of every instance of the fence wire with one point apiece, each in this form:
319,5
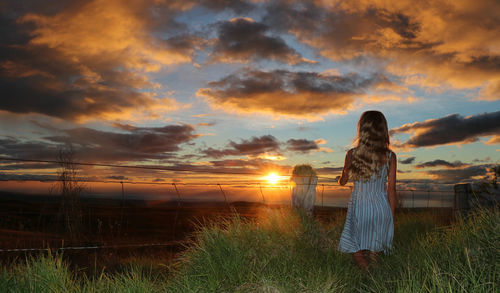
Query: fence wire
284,184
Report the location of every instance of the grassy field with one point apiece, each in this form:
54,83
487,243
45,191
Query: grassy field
282,251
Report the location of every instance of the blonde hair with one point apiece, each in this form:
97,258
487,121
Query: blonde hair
372,146
303,170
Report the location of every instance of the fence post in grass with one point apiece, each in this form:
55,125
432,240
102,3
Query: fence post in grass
442,199
224,194
461,199
177,209
322,191
121,210
262,193
428,197
413,199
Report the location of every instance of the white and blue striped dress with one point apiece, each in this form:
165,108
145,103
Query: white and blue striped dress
369,224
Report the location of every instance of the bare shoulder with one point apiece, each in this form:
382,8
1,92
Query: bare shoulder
393,158
349,153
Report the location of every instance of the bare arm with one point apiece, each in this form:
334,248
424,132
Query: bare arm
391,186
347,165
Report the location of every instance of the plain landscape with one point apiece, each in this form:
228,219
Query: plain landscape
240,247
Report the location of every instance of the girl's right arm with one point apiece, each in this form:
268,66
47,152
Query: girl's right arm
391,186
347,165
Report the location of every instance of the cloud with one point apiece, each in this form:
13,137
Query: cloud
296,94
329,170
16,148
251,166
452,129
434,43
301,145
305,146
27,177
454,176
265,147
27,166
238,6
407,161
115,177
494,140
251,147
91,145
437,163
85,60
243,40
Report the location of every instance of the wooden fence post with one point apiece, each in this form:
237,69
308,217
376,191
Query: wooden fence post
461,199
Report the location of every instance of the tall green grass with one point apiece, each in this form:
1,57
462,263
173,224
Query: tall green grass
285,251
289,252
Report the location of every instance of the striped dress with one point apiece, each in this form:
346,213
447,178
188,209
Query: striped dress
369,224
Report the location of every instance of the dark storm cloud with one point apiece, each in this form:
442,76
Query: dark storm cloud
186,44
247,147
243,40
407,161
26,177
82,74
16,148
301,145
238,6
114,177
90,145
22,165
443,163
290,93
454,176
266,144
139,143
452,129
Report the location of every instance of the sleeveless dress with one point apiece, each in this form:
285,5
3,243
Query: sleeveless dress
369,224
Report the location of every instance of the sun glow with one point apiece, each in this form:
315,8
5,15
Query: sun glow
272,178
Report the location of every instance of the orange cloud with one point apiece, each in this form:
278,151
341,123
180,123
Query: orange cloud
89,60
456,44
452,129
104,29
288,93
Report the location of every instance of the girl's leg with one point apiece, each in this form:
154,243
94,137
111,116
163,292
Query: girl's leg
372,256
360,260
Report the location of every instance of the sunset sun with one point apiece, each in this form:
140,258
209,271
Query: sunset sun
272,178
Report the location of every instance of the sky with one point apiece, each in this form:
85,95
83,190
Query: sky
226,88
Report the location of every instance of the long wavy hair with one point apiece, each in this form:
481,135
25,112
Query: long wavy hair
372,148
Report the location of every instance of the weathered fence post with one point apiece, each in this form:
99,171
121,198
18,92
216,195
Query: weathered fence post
225,197
176,210
262,193
461,199
121,209
322,192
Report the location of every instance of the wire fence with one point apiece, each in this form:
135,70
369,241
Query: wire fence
283,183
178,194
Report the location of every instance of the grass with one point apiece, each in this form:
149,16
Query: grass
284,251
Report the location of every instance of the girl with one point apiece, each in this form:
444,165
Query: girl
371,165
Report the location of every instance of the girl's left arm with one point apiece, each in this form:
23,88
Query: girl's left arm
345,171
391,186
